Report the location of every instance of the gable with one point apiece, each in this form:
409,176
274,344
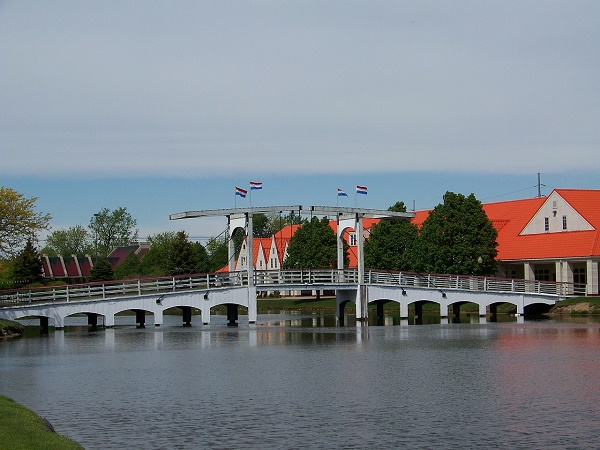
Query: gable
556,215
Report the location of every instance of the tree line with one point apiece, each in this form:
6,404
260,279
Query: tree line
457,237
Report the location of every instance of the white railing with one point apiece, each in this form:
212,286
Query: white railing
122,288
272,279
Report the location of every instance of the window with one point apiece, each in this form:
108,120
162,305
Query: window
542,274
352,239
546,224
564,222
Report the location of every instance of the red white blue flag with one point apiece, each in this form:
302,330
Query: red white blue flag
361,190
241,192
341,193
254,185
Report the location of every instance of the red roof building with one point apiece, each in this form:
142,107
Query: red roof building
554,238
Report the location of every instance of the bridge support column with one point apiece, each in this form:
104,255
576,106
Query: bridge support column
44,325
232,315
403,311
140,318
187,316
252,304
482,309
158,318
93,321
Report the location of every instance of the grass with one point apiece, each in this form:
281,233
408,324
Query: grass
8,327
21,428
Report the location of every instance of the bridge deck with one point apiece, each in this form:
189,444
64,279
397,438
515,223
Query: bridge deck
276,280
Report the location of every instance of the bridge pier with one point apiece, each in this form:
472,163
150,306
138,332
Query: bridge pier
140,318
232,315
456,312
187,315
404,311
44,325
93,321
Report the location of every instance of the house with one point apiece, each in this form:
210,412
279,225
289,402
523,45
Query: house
554,238
77,268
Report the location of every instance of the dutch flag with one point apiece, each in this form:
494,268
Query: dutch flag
255,185
361,190
241,192
341,193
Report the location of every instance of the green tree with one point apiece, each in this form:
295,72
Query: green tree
457,237
102,271
27,266
218,252
129,268
111,229
313,245
182,256
18,222
71,241
203,264
391,243
156,262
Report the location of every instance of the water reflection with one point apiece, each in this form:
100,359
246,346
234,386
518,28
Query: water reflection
302,381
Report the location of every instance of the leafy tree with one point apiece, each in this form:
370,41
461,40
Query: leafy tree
72,241
313,245
391,243
129,268
111,229
203,258
261,226
217,253
182,256
18,222
156,261
28,265
102,271
457,237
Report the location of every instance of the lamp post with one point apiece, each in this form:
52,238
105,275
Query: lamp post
96,235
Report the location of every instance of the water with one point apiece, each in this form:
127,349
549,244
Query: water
295,381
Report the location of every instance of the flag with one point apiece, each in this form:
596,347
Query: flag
341,193
254,185
241,192
361,190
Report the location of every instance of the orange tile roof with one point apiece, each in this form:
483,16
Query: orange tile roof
511,217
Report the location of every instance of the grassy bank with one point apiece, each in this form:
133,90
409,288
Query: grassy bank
21,428
10,328
577,306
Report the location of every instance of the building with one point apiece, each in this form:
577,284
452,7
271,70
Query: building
554,238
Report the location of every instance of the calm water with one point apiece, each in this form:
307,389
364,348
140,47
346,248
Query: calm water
295,381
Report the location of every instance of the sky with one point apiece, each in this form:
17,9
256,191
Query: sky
164,107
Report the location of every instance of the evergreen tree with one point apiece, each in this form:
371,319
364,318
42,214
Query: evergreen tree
457,237
102,271
182,257
391,243
313,245
27,266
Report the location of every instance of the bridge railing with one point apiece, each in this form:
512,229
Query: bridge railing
121,288
465,282
275,278
305,276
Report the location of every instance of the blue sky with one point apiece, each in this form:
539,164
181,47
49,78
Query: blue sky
163,107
